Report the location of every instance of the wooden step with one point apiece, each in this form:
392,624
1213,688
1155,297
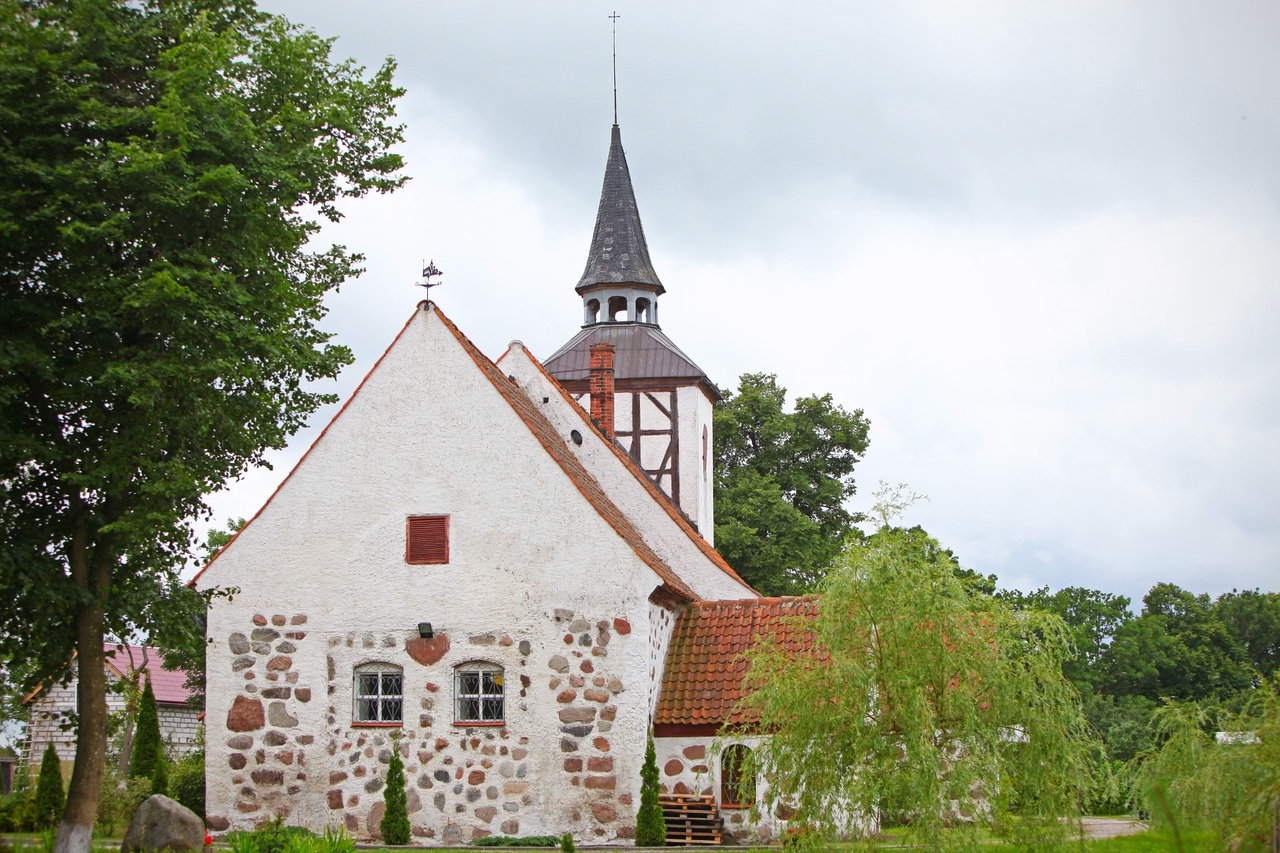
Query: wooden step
691,820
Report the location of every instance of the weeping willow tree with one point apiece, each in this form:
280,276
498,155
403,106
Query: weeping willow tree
921,703
1230,787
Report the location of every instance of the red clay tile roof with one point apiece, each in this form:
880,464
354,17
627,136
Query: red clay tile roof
702,681
556,447
663,501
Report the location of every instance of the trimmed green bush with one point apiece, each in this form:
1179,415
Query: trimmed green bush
566,843
395,823
186,784
146,740
50,798
509,841
651,828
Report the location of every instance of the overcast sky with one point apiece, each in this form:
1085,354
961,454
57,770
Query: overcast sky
1037,243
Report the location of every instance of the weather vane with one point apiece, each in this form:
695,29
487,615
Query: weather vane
430,271
614,18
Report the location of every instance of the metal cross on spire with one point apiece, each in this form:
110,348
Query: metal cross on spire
614,18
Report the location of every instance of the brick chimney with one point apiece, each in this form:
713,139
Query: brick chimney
601,388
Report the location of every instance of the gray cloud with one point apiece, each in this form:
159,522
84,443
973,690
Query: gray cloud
1037,243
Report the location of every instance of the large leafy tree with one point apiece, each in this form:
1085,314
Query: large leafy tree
781,482
923,699
1253,618
161,162
1093,616
1179,648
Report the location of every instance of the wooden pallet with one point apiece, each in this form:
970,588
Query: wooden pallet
691,820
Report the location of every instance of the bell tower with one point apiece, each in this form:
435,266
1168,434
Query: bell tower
662,400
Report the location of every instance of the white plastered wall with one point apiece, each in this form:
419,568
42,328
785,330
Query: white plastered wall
427,433
660,531
696,478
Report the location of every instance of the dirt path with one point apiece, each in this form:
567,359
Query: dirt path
1110,827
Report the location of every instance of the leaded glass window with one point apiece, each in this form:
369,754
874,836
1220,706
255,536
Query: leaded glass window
378,694
478,694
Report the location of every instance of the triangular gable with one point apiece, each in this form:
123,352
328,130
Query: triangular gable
542,431
591,433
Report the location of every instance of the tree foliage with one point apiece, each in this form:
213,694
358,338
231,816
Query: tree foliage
395,821
923,700
50,798
147,746
1179,648
781,482
651,827
158,302
1231,788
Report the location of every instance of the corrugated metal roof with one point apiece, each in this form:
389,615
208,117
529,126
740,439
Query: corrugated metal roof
703,678
167,686
642,351
618,250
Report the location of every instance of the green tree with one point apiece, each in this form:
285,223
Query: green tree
1253,619
50,798
1230,788
1093,616
1178,648
147,748
160,167
781,482
395,821
921,698
651,828
160,776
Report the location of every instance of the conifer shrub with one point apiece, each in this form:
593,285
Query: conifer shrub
146,741
160,776
50,798
651,829
566,843
395,822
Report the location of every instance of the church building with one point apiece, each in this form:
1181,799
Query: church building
503,569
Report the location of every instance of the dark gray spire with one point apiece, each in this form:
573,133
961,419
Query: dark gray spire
618,252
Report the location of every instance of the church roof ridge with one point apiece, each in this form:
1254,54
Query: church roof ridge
657,494
618,253
551,440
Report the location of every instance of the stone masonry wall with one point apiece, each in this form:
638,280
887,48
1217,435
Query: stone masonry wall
264,749
464,781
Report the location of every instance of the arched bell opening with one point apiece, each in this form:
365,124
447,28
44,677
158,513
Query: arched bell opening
591,313
618,309
643,310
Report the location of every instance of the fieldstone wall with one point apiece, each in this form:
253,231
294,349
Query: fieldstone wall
661,625
548,768
265,749
586,689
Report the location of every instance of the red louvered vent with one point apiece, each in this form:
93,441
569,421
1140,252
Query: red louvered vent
427,540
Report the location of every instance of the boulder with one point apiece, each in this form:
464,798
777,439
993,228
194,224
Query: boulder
163,824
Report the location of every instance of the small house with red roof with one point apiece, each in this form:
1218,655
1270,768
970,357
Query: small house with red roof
52,708
505,571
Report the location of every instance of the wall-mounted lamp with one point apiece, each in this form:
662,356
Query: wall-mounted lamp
424,630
